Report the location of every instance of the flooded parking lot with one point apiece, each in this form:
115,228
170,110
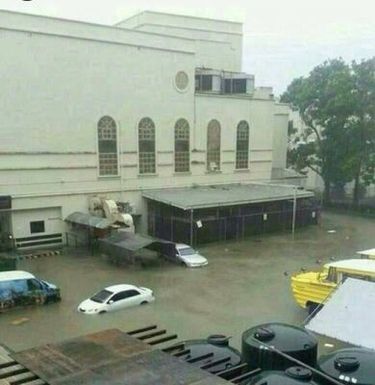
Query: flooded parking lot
246,283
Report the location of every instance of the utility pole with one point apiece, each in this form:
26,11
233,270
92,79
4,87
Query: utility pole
294,211
191,227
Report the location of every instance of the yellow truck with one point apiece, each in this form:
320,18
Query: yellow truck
312,289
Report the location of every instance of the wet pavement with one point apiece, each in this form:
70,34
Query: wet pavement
245,283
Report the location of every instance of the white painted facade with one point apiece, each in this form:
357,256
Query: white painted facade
218,43
59,77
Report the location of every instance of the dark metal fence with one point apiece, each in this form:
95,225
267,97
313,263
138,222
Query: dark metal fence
225,223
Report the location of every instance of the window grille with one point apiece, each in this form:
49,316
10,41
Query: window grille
242,146
107,144
213,145
146,143
182,146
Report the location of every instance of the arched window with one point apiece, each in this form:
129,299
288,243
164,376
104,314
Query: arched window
242,147
213,145
107,145
146,145
181,146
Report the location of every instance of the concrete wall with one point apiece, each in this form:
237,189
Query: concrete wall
53,222
89,31
59,78
280,136
218,42
229,112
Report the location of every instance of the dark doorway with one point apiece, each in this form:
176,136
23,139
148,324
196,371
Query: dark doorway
6,235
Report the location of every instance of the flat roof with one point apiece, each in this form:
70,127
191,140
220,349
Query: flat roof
178,15
367,253
14,274
197,197
367,265
347,315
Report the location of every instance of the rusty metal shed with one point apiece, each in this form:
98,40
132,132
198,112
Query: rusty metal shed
110,357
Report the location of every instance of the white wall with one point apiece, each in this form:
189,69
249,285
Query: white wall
88,31
280,136
229,111
55,88
218,42
53,227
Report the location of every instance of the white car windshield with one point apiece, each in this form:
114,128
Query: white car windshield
186,251
102,296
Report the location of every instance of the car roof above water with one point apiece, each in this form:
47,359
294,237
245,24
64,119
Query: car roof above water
121,287
182,246
14,274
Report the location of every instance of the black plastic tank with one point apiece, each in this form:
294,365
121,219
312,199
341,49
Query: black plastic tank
349,366
292,340
295,375
213,354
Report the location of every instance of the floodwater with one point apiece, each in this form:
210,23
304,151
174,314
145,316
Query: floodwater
245,283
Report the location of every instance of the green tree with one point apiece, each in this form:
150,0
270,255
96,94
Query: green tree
325,102
362,125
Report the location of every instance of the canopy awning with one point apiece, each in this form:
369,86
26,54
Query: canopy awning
88,220
197,197
349,315
129,243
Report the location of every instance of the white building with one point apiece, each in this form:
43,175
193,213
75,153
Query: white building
155,101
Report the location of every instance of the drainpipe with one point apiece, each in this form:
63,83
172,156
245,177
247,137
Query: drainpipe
191,227
120,156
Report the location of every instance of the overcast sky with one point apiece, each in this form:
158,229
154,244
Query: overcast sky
282,39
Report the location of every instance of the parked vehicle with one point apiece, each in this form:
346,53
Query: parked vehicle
22,288
189,257
312,288
116,297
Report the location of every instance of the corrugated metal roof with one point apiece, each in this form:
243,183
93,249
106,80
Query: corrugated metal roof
110,357
128,241
88,220
348,315
224,195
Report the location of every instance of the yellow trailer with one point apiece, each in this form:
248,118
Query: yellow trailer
311,289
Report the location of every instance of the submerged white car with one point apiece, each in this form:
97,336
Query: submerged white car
116,297
189,257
